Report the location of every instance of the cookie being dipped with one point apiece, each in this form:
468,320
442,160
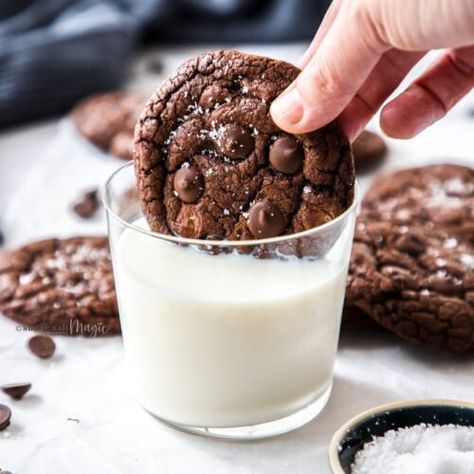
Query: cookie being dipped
211,164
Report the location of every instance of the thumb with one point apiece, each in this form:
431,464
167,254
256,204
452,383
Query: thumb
346,56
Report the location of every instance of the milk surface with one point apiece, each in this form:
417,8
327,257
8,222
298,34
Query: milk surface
225,340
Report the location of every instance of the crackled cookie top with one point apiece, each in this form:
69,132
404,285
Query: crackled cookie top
412,263
210,162
436,196
61,286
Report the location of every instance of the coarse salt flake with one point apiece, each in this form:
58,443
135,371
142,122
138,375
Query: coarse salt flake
419,449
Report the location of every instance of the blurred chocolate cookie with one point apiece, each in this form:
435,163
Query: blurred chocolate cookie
107,120
210,162
370,151
411,269
436,196
62,286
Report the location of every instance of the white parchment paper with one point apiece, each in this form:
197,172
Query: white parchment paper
80,415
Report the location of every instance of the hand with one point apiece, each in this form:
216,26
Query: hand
361,53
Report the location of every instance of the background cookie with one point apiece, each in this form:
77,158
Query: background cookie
411,271
60,286
210,162
437,197
107,120
369,151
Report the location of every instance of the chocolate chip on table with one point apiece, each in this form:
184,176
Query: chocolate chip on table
265,220
87,205
16,391
5,415
42,346
286,155
188,184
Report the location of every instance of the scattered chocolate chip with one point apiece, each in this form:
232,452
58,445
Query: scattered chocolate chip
286,155
16,391
87,205
5,415
235,142
265,220
42,346
188,184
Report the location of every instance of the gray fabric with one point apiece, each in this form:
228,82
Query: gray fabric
53,52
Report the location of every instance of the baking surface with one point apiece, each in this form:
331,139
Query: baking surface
80,415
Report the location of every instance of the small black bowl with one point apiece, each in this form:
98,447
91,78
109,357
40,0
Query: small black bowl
352,436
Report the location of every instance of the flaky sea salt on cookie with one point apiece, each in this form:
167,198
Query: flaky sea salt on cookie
210,162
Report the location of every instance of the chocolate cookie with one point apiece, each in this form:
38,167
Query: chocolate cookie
107,120
369,151
62,286
210,162
410,270
437,197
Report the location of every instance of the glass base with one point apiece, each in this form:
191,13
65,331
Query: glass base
261,430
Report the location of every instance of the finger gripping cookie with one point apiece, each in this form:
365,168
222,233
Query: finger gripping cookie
210,162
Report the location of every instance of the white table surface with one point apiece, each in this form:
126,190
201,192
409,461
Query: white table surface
80,415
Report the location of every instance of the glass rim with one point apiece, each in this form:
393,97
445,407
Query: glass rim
216,242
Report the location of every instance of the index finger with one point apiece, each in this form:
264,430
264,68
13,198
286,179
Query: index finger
328,20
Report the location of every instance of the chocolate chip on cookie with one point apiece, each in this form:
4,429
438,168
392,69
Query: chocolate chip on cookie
369,151
210,162
286,155
62,286
188,184
107,120
411,271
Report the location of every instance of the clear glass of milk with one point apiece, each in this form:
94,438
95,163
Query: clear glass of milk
223,338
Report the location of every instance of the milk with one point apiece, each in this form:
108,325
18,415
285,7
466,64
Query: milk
225,340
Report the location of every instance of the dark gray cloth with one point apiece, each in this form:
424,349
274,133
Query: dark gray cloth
53,52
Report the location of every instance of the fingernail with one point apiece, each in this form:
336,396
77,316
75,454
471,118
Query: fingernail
288,106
